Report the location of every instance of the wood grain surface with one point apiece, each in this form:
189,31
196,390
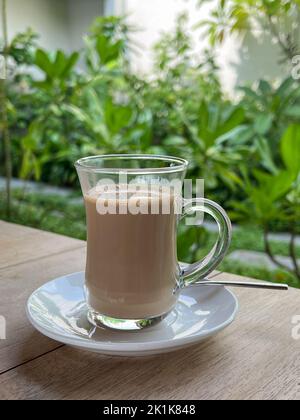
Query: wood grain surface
22,244
255,358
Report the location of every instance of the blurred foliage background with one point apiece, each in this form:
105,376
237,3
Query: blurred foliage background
247,149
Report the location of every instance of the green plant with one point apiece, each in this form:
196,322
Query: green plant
22,49
108,44
182,79
275,196
66,113
4,111
241,148
260,273
279,18
269,110
51,130
211,148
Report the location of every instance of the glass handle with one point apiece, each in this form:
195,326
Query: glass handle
191,273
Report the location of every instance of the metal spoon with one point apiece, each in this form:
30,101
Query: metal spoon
248,285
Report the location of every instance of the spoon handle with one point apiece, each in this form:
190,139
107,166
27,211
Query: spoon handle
249,285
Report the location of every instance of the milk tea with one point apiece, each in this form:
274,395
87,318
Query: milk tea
132,270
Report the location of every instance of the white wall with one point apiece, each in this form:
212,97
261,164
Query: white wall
81,14
240,60
115,7
61,23
152,18
47,18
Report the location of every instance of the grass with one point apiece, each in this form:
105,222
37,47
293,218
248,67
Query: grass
51,213
65,215
261,273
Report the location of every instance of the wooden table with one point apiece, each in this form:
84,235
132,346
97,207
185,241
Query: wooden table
255,358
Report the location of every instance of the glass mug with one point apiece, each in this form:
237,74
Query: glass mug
133,278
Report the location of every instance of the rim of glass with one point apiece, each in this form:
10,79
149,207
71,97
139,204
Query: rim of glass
179,164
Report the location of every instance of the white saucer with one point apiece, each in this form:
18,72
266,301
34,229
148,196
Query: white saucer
58,310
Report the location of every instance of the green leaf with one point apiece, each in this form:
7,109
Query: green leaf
266,154
189,241
43,61
230,177
70,64
240,18
236,117
285,87
174,141
290,149
279,185
272,187
241,134
265,87
293,111
37,168
26,166
59,63
263,124
78,113
107,50
250,93
117,117
203,116
29,142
